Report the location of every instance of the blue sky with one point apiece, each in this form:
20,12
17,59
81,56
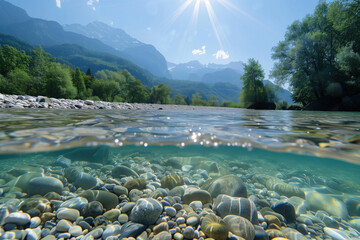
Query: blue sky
237,29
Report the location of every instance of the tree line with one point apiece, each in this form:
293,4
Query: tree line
38,73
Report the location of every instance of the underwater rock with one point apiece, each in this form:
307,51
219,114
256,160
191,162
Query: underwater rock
120,190
43,185
174,163
336,234
18,218
225,205
240,227
107,199
274,233
299,204
68,214
286,209
122,171
292,234
284,188
93,209
41,204
193,194
75,203
99,154
260,233
131,229
85,181
71,174
111,230
171,181
23,181
353,207
230,185
62,161
331,205
146,211
214,227
137,183
209,166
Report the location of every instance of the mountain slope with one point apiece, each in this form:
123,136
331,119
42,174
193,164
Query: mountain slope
144,55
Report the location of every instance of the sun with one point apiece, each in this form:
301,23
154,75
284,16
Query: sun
210,11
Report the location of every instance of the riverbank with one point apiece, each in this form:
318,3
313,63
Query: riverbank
26,101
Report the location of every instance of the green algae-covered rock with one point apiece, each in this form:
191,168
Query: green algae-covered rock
171,181
146,211
317,201
193,194
229,185
137,183
214,227
107,199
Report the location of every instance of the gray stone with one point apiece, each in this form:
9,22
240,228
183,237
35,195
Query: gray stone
163,236
62,162
85,181
75,203
188,233
63,225
75,231
35,222
122,171
44,185
68,214
230,185
170,211
111,230
123,218
146,211
18,218
130,229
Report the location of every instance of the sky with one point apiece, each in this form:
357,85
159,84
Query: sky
210,31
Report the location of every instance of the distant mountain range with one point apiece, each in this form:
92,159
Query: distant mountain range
98,46
144,55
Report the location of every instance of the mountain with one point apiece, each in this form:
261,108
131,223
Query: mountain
195,71
144,55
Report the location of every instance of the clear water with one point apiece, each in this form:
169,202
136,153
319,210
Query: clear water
315,151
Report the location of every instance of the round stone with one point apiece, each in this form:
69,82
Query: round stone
229,185
123,218
192,220
75,203
63,225
317,201
112,215
178,236
85,181
171,181
214,227
43,185
35,222
120,190
107,199
196,205
137,183
18,218
68,214
225,205
170,211
163,236
240,226
164,226
146,211
75,231
31,234
122,171
111,230
193,194
188,233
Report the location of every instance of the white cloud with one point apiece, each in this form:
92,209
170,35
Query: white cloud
201,51
111,23
91,3
221,54
58,3
148,28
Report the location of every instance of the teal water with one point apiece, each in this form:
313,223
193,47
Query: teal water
317,152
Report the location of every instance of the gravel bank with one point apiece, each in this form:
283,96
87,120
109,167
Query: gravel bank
26,101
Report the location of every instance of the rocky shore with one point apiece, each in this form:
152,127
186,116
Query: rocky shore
92,194
26,101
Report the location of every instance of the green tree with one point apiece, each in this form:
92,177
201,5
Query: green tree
213,101
197,100
58,82
78,82
160,94
136,92
19,82
179,99
253,90
39,65
105,90
11,59
271,93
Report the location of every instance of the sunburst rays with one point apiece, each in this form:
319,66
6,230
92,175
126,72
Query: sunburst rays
211,14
